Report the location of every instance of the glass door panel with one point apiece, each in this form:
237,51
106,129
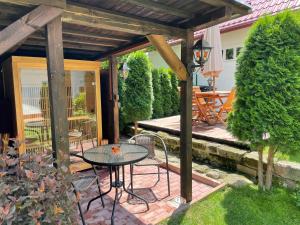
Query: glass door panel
81,109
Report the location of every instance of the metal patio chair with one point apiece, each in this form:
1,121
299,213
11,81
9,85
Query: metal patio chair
148,140
82,184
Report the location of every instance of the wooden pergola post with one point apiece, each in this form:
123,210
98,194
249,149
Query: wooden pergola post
114,99
57,93
186,120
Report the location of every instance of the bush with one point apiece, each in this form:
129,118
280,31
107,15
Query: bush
138,93
166,91
157,93
34,192
121,90
174,93
268,88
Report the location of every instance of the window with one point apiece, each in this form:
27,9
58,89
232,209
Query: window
229,54
238,51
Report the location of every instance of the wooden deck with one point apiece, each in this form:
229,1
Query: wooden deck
216,133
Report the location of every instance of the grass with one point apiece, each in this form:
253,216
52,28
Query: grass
245,206
293,158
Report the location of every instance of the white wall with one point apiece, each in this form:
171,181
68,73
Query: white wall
232,39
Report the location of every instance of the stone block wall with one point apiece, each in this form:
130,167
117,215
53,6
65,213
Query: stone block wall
233,159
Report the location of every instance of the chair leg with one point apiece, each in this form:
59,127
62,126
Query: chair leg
98,184
168,180
158,173
100,192
81,146
80,209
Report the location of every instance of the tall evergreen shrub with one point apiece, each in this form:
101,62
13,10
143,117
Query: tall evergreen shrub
174,93
157,93
138,93
267,107
166,91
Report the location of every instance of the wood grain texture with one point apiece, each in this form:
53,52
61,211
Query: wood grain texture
167,53
105,19
57,96
186,120
54,3
160,7
25,26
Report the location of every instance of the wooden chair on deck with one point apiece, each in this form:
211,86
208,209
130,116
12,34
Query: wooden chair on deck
227,106
201,108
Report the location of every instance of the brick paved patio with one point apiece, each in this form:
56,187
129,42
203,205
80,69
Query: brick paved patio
132,212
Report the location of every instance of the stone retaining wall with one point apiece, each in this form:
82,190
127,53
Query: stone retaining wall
234,159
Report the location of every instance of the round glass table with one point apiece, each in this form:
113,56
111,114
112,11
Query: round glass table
115,156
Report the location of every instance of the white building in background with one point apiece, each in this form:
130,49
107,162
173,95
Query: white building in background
233,36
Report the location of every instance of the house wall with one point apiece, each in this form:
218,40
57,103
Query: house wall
230,40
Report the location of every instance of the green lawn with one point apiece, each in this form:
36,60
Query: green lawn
245,206
292,158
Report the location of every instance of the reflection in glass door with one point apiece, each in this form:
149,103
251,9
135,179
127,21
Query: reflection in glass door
81,108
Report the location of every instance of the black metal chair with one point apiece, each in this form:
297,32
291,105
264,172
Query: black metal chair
149,140
82,184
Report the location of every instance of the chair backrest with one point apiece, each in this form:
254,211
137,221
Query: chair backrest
148,140
227,106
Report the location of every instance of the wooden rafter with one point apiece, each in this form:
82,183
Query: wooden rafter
35,42
105,19
234,5
54,3
166,51
25,26
79,41
212,18
160,7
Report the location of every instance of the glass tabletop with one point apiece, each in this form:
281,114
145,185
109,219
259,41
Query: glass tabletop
104,156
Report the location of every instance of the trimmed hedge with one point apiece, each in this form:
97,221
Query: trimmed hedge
174,93
138,92
268,84
157,93
166,91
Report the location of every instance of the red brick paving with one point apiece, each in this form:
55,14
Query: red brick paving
129,212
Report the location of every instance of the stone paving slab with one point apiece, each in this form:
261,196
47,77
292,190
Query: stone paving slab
129,211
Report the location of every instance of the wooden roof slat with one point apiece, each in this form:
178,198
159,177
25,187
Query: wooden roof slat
160,7
234,5
54,3
38,42
84,42
94,35
105,19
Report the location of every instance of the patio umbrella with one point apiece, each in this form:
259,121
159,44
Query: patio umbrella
214,66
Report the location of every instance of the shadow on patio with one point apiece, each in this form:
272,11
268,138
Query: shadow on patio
130,211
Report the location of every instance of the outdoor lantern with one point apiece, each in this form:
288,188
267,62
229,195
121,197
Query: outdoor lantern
201,51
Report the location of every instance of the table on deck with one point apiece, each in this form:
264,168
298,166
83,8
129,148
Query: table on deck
213,101
104,156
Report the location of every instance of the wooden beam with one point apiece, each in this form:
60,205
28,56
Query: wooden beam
34,42
160,7
212,18
114,99
104,19
186,120
237,7
54,3
80,41
77,33
167,53
57,94
25,26
87,34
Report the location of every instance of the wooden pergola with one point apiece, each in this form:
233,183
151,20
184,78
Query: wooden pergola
98,29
